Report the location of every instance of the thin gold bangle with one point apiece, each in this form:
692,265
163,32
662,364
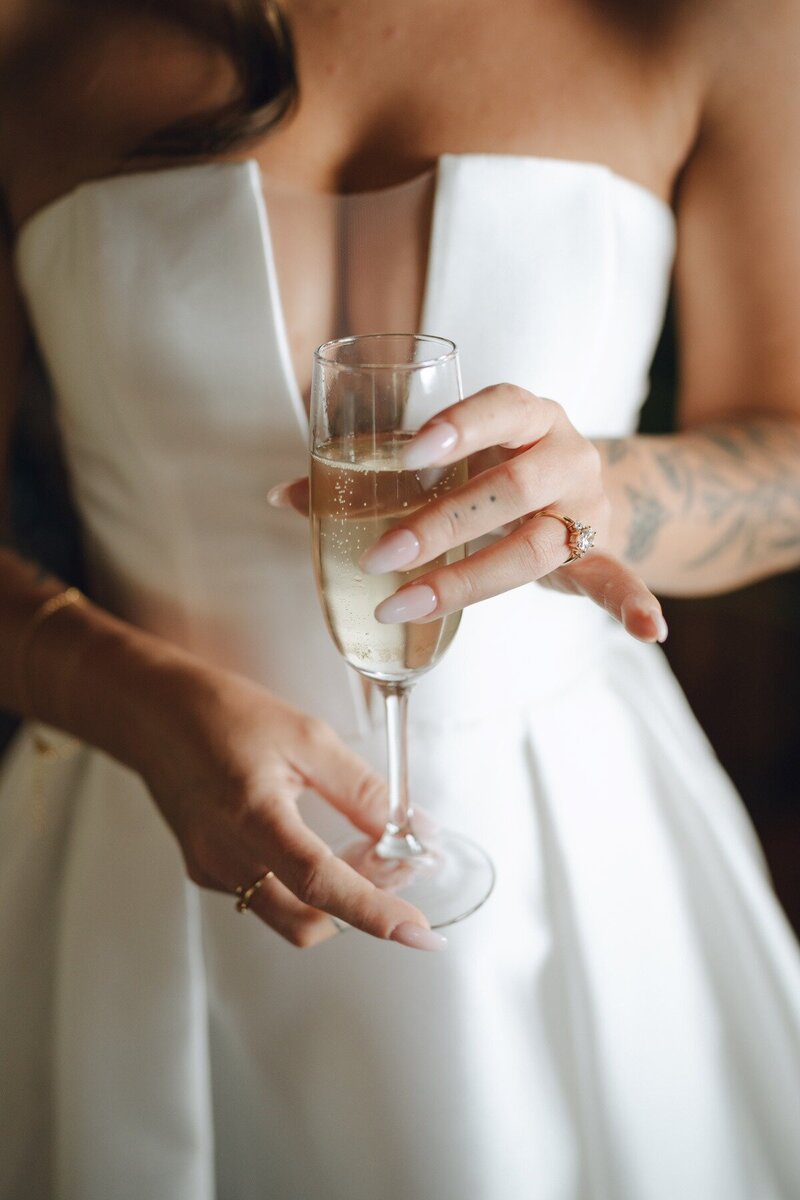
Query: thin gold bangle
46,609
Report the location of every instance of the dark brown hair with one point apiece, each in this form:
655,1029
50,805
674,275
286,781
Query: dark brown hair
256,35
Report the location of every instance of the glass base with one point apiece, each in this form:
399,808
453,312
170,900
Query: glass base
447,878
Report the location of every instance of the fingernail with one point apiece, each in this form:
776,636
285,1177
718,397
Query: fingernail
418,938
394,551
428,447
278,496
662,629
407,605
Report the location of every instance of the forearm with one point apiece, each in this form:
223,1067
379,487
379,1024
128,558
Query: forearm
81,670
706,510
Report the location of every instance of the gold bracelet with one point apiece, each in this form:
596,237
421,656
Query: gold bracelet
47,608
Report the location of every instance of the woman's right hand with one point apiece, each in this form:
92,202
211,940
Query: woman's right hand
226,761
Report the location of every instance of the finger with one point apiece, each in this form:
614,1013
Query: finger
535,549
291,495
521,485
298,923
502,415
215,859
257,886
320,880
341,777
271,902
527,555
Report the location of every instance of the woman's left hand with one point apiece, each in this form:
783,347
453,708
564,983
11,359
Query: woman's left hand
527,462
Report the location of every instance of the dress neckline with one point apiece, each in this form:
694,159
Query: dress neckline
31,223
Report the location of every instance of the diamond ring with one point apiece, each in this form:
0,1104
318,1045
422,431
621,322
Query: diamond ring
580,537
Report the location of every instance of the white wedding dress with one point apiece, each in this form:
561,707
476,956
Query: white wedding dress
621,1020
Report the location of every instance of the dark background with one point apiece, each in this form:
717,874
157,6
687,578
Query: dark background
736,656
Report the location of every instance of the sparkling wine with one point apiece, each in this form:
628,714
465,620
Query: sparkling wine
359,490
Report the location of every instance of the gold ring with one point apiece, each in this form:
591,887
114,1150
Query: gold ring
246,894
580,537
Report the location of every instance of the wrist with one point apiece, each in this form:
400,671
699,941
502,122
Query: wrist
105,682
617,456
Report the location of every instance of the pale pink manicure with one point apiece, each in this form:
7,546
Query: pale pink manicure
661,627
394,551
418,938
428,447
407,605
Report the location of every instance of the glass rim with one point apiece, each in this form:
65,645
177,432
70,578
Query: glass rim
322,357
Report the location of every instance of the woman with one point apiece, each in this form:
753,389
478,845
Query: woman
623,1018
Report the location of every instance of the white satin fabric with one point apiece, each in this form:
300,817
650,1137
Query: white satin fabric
621,1021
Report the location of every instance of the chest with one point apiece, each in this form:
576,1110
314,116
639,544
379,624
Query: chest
386,88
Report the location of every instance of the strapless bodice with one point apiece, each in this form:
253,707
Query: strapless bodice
156,302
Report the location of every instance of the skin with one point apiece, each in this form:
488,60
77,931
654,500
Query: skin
695,102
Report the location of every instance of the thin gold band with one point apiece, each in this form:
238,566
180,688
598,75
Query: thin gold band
246,894
46,609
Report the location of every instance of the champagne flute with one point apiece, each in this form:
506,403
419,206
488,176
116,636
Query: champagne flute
369,396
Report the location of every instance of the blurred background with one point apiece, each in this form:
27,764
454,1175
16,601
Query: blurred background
737,656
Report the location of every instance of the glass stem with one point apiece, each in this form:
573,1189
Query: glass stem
398,839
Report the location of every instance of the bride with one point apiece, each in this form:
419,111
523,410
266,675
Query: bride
185,222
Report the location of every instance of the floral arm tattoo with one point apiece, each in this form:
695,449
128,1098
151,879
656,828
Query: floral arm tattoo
708,508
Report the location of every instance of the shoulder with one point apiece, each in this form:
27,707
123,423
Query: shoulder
738,270
726,63
749,51
748,129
